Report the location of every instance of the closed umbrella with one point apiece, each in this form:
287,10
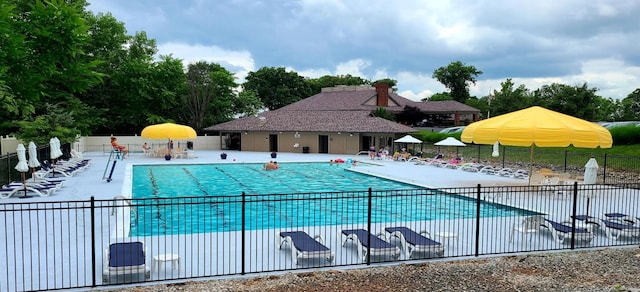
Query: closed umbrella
55,152
58,147
33,159
496,149
590,177
591,171
22,165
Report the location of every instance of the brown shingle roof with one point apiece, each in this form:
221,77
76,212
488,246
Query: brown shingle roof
345,109
313,121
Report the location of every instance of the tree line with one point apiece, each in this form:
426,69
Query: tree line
65,71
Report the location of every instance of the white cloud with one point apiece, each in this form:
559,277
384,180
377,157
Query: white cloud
240,62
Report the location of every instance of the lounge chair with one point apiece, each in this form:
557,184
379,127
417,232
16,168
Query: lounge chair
584,221
304,246
614,229
375,247
622,218
529,225
126,262
42,191
562,231
8,192
411,241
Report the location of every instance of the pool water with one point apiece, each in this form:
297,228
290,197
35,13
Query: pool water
184,199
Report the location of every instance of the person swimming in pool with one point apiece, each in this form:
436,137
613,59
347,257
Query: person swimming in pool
271,166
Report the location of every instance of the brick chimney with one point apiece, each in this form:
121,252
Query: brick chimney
382,91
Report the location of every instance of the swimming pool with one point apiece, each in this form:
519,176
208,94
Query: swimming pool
183,199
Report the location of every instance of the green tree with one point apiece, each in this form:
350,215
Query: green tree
331,81
439,97
509,98
12,47
49,69
383,113
276,87
456,77
629,107
209,98
577,101
605,109
247,103
392,83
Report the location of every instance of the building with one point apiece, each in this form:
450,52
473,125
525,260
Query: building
336,120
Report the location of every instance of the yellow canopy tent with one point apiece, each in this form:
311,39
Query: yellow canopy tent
168,131
537,126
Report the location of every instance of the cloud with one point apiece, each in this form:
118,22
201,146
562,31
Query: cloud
532,41
240,62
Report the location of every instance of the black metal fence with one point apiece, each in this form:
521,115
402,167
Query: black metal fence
81,244
613,168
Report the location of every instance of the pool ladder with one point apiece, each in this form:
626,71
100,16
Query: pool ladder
125,202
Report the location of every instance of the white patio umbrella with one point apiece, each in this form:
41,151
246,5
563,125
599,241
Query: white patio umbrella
33,159
22,165
590,177
409,139
451,141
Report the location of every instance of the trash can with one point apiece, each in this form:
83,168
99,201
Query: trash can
305,149
190,145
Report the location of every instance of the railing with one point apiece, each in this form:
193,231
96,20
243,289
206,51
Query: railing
613,168
64,245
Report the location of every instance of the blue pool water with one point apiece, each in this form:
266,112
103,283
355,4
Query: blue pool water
182,199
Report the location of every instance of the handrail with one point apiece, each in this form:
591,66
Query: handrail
127,202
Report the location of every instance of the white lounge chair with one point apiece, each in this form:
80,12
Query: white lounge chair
412,242
562,231
125,262
622,218
8,192
614,230
42,191
529,225
303,246
375,247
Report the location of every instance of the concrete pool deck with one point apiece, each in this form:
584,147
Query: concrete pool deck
196,250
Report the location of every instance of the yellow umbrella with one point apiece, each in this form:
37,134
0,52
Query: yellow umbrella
540,127
168,131
537,126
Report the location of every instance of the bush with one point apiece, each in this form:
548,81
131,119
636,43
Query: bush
625,135
433,137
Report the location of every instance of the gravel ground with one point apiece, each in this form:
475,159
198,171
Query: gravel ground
615,269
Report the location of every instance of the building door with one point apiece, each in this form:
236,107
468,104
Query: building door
323,144
273,143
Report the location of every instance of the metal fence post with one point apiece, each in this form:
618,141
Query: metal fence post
369,227
574,211
604,170
242,248
477,252
93,241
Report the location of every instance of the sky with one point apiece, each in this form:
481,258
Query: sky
534,43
